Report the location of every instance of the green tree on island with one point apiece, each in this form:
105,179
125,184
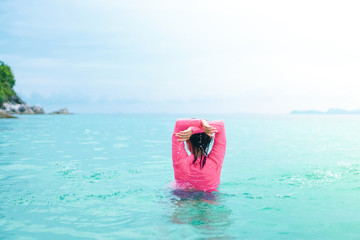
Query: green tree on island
7,82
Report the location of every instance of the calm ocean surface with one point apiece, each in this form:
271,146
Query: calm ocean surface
106,177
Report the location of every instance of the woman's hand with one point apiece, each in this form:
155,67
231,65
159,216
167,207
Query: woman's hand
209,130
184,135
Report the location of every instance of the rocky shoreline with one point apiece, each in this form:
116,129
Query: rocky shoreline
4,114
16,108
7,109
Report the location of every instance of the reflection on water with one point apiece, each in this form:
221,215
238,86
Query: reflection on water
203,211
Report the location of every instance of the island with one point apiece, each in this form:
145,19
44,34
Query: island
10,102
329,111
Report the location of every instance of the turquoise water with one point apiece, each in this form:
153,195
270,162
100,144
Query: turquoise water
106,177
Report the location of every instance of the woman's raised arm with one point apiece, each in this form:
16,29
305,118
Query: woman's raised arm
219,147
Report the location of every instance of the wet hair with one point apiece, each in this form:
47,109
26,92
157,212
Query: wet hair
200,144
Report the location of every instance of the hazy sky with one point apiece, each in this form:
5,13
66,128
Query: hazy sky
183,56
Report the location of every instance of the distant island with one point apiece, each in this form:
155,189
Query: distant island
10,102
330,111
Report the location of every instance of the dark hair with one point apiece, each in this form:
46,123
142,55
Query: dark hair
200,144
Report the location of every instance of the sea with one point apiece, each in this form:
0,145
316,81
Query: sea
108,176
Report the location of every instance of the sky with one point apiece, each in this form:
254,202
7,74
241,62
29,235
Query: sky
185,56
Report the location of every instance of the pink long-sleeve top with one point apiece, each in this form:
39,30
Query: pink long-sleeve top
189,175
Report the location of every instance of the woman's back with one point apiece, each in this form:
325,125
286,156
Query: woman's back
190,174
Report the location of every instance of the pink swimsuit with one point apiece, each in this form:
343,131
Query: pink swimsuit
189,175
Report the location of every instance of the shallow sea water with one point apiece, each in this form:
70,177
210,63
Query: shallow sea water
106,177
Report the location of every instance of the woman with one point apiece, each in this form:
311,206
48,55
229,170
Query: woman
200,170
